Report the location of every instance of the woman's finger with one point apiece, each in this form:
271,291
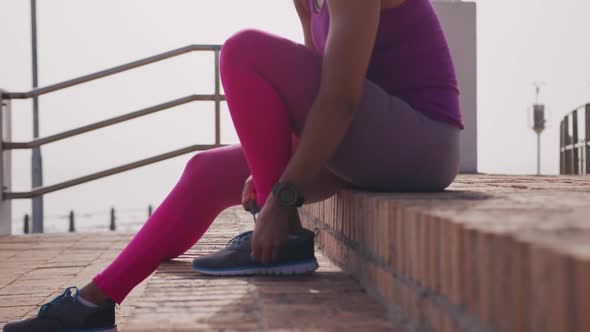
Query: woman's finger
252,196
266,254
275,254
254,252
247,198
247,193
245,202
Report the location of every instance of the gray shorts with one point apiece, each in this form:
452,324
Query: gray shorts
390,147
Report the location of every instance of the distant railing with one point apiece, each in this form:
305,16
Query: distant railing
5,103
574,142
111,219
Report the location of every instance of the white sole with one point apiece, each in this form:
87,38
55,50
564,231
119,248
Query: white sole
303,267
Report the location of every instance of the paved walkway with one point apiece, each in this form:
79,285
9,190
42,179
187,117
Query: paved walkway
37,268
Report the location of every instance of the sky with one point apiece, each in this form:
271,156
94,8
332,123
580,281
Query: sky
519,42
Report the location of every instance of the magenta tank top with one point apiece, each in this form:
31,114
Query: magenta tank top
411,58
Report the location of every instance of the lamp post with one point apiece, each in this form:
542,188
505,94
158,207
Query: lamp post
36,161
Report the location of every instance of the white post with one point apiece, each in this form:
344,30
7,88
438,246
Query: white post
459,22
5,167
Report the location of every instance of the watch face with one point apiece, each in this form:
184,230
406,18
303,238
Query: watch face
288,195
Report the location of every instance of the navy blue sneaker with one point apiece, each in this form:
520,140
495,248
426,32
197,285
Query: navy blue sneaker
297,256
66,314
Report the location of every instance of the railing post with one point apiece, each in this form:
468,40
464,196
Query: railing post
26,226
217,100
575,157
562,147
150,210
72,222
568,141
5,166
587,139
112,226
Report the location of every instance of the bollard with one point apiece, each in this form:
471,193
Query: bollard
26,226
113,226
72,224
149,210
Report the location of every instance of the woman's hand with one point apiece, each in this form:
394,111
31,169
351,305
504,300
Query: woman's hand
270,232
248,193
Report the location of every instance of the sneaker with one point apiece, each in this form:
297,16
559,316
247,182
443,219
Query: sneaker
295,257
66,314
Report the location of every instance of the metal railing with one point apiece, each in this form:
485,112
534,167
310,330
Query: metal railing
574,142
217,98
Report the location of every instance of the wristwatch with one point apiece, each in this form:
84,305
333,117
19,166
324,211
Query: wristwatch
287,194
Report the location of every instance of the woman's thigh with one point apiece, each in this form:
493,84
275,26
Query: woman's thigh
292,69
325,185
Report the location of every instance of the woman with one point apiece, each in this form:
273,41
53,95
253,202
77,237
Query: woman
370,101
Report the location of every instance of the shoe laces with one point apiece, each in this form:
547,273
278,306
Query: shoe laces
254,209
67,294
236,240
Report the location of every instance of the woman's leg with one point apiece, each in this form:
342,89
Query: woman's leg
212,181
270,84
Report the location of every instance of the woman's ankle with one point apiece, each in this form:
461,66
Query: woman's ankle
294,221
93,294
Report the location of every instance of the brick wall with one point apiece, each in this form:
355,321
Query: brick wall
481,257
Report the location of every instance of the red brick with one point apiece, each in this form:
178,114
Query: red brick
582,294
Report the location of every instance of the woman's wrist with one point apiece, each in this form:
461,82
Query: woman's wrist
273,204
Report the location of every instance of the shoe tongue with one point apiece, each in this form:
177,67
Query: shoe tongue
238,240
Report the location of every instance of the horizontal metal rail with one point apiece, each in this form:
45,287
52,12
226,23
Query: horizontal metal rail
217,97
35,192
105,123
574,147
108,72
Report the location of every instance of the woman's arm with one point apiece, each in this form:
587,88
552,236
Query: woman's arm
353,30
305,18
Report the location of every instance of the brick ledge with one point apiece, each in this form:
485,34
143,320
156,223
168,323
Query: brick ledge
494,253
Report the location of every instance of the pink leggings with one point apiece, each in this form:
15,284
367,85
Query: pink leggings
270,84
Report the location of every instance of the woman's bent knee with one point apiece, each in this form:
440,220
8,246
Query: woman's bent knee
241,46
203,163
